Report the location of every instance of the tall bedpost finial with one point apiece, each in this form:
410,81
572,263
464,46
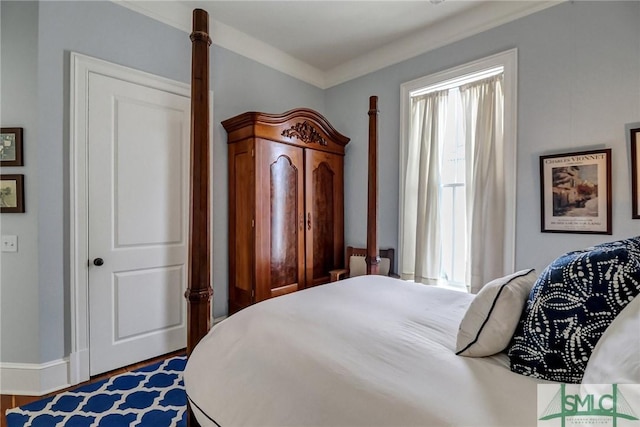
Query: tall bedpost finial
199,289
373,257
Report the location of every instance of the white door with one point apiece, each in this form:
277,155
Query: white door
138,168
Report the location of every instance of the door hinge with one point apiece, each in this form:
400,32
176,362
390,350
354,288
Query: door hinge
253,223
252,154
253,293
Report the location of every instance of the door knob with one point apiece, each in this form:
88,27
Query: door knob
98,262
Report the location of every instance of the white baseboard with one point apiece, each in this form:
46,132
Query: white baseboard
79,366
34,379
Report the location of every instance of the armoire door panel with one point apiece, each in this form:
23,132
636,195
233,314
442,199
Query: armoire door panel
280,241
325,207
241,237
284,230
323,184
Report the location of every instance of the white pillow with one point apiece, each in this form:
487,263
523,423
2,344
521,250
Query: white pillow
492,317
616,357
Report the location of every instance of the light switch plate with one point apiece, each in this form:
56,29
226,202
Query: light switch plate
9,243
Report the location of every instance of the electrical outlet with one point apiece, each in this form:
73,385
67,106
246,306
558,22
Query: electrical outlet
9,243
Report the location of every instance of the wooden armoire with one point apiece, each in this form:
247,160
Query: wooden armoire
286,203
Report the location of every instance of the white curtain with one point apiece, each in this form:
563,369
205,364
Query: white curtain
483,103
421,237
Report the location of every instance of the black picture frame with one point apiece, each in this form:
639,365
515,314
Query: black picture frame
635,173
11,193
575,192
11,147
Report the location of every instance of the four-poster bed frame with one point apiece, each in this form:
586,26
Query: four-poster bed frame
199,291
373,350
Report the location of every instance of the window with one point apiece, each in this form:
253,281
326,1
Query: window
452,194
457,183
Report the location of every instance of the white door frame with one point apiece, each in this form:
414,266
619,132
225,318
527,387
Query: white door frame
81,67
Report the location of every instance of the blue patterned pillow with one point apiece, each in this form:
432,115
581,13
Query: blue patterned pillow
571,304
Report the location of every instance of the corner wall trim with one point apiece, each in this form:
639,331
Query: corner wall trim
34,379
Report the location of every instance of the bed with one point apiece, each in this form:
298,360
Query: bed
366,351
378,351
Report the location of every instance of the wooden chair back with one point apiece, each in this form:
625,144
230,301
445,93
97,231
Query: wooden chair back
355,261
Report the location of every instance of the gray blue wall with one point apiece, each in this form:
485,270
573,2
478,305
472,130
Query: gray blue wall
579,84
19,313
37,39
242,85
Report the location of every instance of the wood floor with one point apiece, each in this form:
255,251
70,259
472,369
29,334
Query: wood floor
8,401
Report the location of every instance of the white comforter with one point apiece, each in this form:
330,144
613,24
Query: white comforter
367,351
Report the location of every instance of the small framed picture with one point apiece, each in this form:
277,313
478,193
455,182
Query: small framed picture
11,147
576,192
11,193
635,172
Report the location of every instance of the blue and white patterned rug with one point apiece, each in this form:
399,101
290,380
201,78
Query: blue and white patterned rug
152,396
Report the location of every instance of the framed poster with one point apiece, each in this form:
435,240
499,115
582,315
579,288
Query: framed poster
635,173
11,193
11,147
576,192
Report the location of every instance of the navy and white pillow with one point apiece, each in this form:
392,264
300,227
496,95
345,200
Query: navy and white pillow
492,317
571,304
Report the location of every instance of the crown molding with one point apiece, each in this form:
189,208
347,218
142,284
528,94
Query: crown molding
245,45
178,15
172,13
456,28
476,20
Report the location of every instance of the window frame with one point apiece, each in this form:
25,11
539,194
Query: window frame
509,60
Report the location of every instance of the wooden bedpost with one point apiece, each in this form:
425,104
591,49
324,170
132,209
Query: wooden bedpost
199,290
373,257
